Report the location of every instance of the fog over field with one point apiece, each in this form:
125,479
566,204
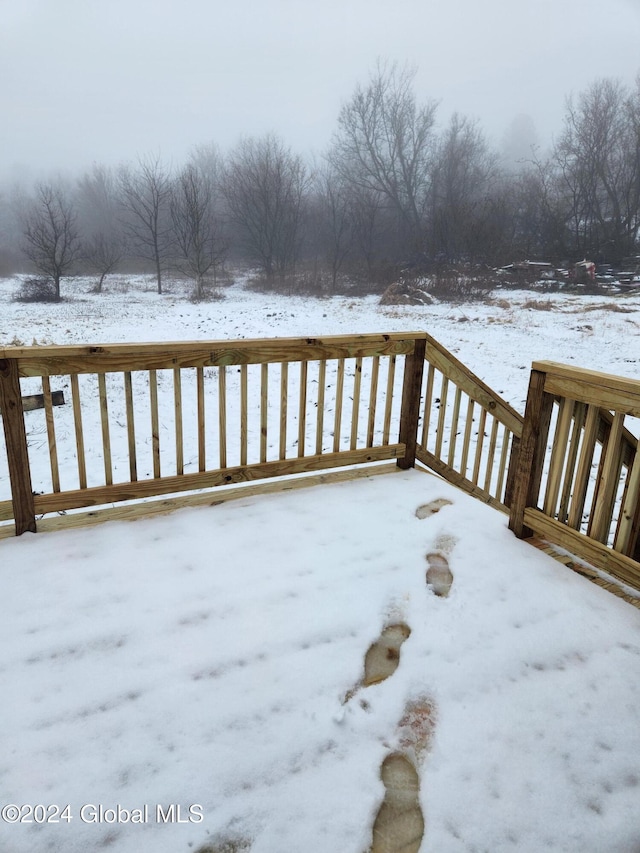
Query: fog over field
108,81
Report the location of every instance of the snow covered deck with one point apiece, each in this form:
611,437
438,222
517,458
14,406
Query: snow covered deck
202,659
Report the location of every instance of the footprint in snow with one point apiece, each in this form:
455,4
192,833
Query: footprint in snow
439,575
399,824
427,510
382,657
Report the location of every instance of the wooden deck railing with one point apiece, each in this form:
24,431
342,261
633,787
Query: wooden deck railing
151,420
468,434
238,411
577,481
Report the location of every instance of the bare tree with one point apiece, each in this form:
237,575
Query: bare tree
104,244
463,173
541,213
145,195
198,231
598,158
369,227
384,144
103,254
51,240
264,186
336,220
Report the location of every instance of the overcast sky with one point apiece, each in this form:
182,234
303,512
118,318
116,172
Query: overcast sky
111,80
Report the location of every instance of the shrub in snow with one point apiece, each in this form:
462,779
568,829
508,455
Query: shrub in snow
36,290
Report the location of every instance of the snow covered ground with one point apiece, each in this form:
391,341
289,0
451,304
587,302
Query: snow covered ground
202,659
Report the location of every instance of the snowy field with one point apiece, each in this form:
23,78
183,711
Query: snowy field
203,659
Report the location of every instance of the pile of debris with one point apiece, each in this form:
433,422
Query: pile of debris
406,293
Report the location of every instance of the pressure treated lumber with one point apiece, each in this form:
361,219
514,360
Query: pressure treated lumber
131,431
610,561
373,399
462,377
558,454
410,409
6,510
590,386
51,434
107,358
528,474
16,444
77,423
427,458
133,512
30,402
630,508
608,479
585,459
150,488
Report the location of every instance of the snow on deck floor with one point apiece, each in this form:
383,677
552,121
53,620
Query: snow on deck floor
202,658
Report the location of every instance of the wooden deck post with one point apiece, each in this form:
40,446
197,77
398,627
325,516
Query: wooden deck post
410,409
16,442
528,469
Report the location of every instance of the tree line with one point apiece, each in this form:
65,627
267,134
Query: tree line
394,193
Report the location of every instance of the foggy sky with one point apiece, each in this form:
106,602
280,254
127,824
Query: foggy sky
111,80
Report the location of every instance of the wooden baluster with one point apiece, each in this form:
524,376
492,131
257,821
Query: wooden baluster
454,428
491,456
386,427
442,413
51,434
202,442
104,420
177,405
504,453
244,412
322,380
264,410
630,506
284,396
373,400
337,424
580,411
585,459
131,429
479,444
467,438
155,422
608,482
77,422
355,410
222,414
558,456
428,399
302,411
